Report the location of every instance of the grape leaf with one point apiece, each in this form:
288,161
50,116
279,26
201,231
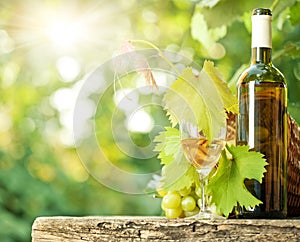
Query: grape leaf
178,173
227,185
194,99
168,144
230,101
203,34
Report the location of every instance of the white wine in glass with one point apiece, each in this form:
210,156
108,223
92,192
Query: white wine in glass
203,155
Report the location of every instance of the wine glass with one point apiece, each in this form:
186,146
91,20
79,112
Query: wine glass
203,155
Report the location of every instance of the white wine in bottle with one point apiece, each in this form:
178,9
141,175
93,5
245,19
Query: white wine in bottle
262,120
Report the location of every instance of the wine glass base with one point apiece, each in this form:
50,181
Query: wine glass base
206,216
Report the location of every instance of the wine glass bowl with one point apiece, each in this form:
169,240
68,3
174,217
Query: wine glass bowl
203,155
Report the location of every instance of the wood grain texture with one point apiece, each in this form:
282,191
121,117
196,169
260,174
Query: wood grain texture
46,229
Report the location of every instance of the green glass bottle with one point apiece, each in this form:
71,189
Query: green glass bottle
262,120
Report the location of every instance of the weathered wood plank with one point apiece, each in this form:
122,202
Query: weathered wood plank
50,229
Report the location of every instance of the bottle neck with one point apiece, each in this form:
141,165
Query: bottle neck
261,40
261,55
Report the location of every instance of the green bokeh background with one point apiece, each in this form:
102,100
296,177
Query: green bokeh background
48,48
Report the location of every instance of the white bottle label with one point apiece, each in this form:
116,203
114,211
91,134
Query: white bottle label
261,31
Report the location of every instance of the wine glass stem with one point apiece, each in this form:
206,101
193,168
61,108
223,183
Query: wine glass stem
203,198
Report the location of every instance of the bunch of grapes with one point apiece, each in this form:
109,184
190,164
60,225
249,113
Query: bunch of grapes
180,204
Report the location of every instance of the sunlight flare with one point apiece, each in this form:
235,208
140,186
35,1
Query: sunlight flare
63,33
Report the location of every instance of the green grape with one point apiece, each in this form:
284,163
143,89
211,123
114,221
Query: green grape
173,212
192,213
188,203
185,191
198,191
171,200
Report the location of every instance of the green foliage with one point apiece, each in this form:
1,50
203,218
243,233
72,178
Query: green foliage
168,144
40,172
208,37
230,102
278,7
178,173
227,185
233,11
189,99
295,13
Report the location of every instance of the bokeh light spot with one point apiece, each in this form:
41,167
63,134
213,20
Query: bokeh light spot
140,121
68,68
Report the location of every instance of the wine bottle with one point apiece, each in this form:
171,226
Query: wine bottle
262,120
